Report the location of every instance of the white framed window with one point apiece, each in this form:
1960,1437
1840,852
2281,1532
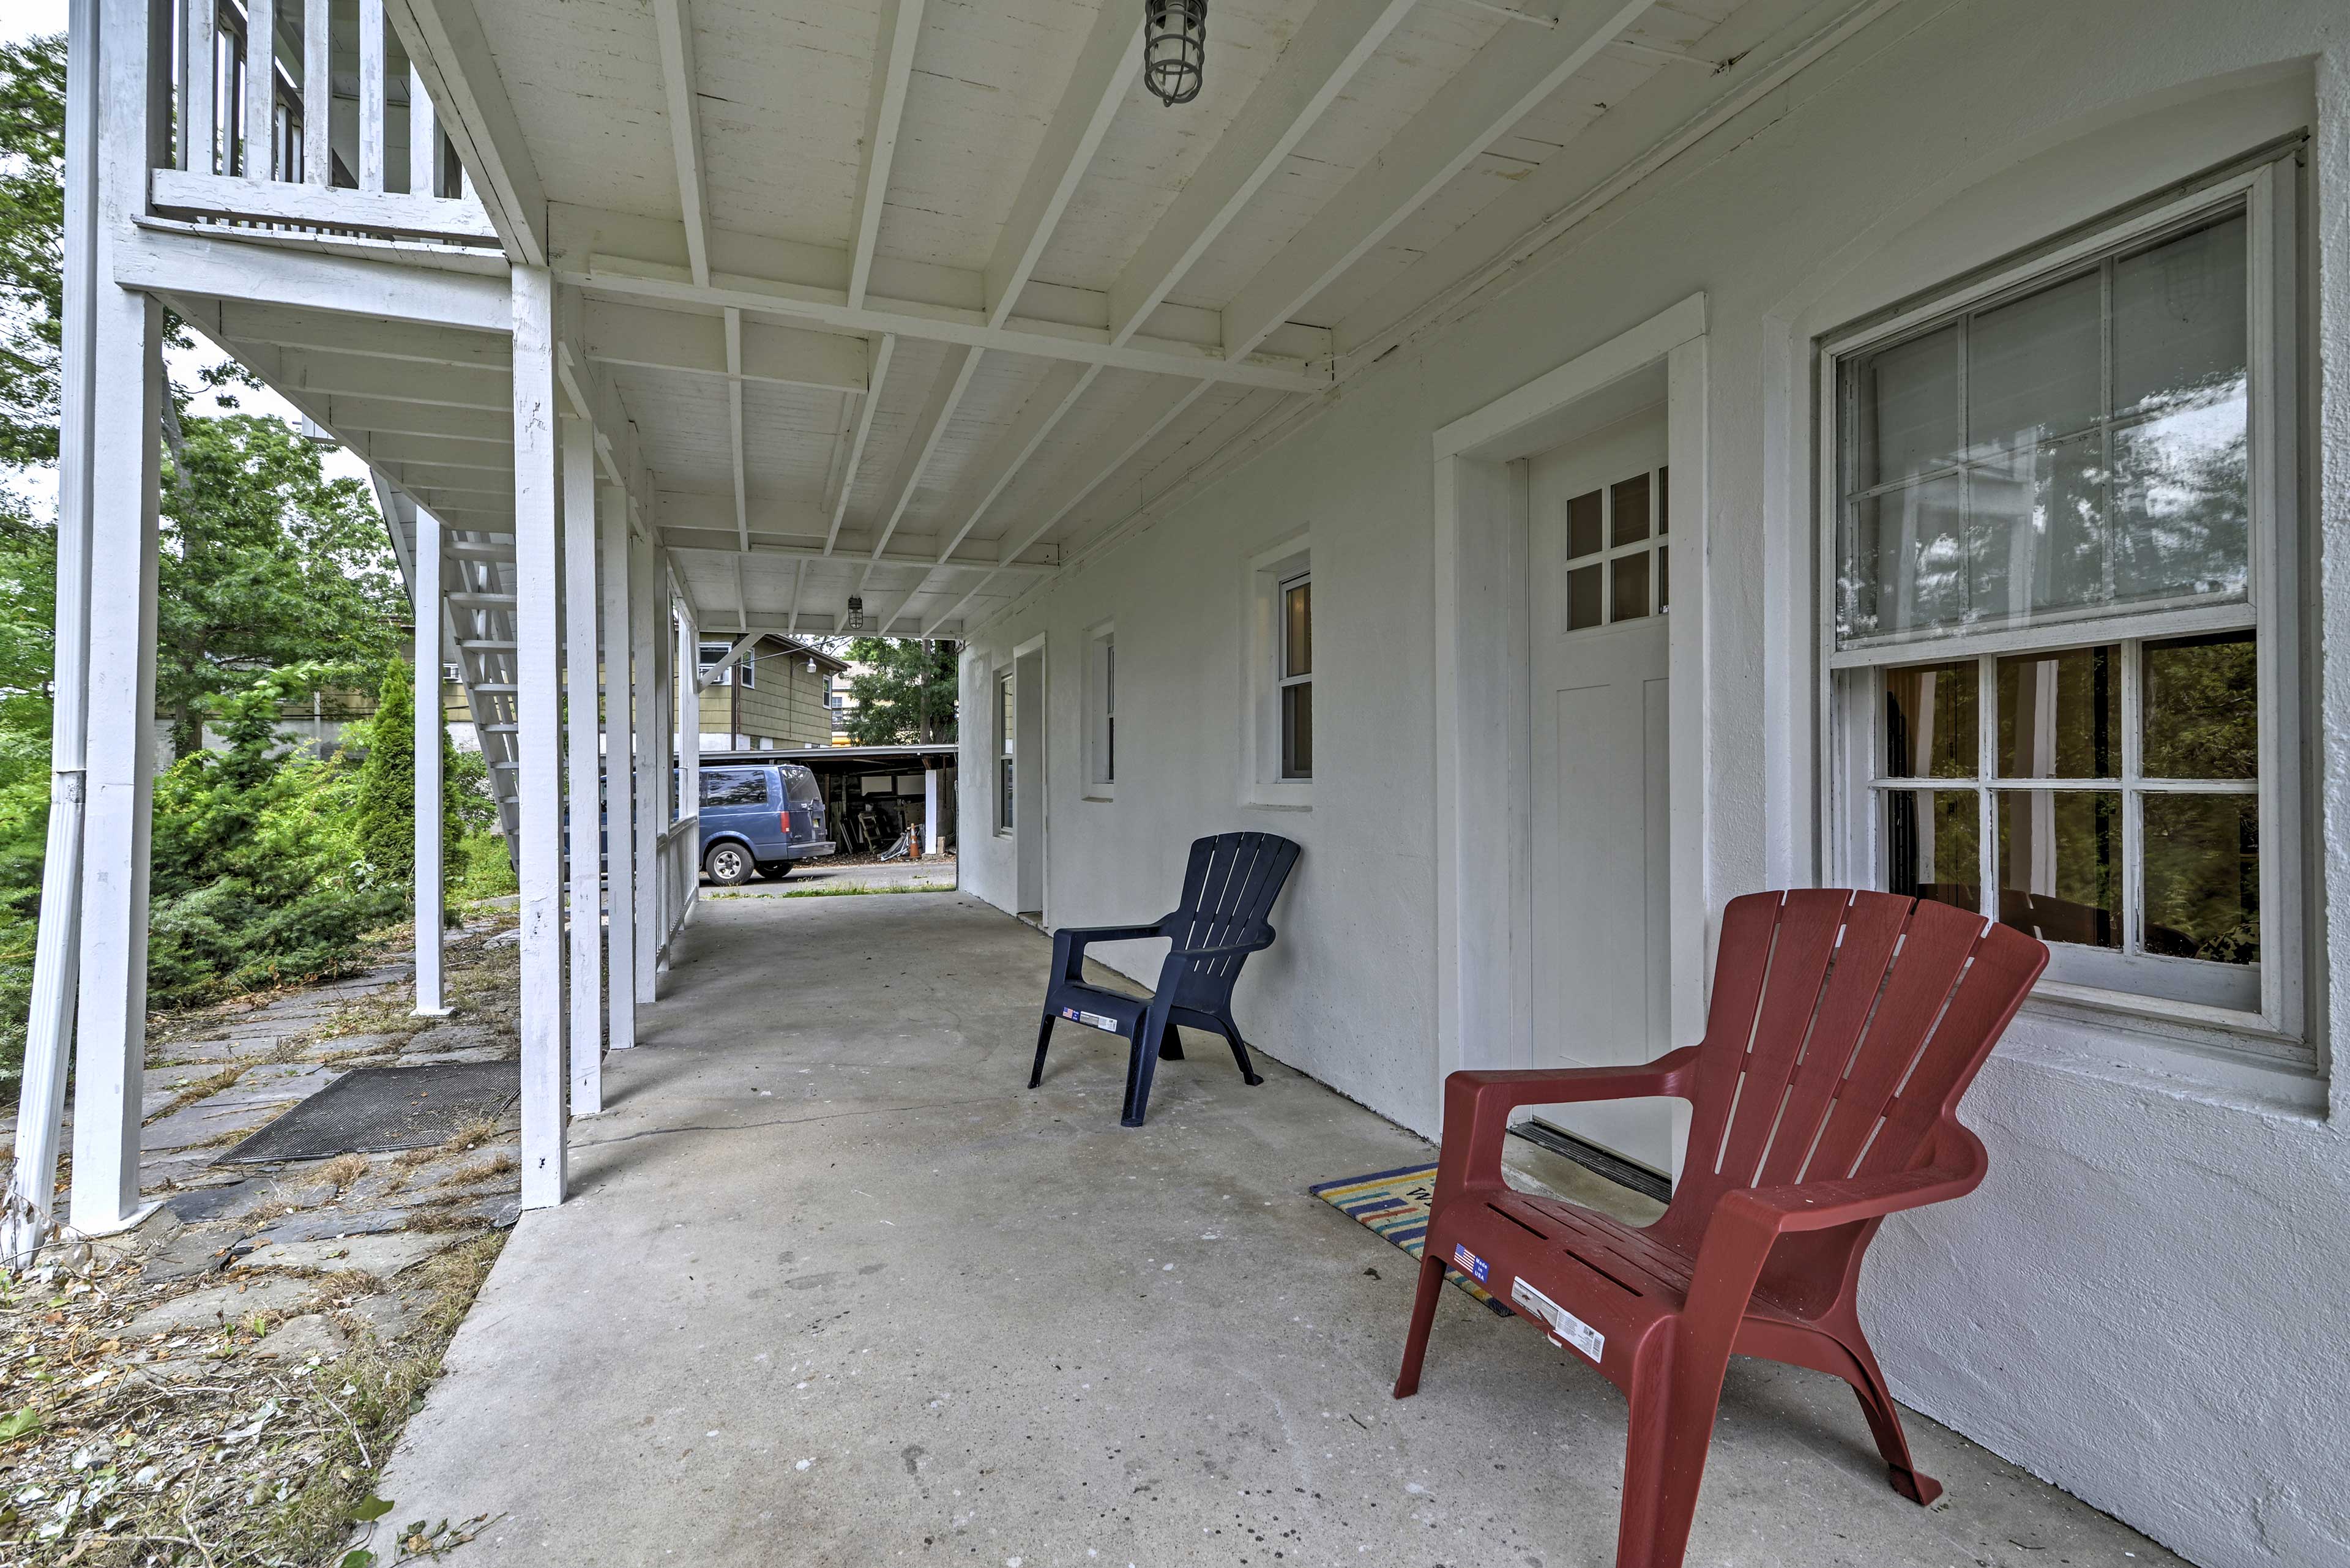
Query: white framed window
1277,739
744,672
1004,717
1101,712
2064,630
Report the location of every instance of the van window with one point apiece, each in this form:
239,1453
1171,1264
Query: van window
799,786
733,787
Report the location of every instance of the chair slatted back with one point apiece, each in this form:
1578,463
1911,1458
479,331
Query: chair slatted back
1843,1026
1229,888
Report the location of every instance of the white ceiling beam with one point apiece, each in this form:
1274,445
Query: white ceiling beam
356,417
1106,70
1765,43
820,625
309,370
1135,430
620,333
893,70
1315,67
688,530
734,424
448,50
1507,80
864,432
381,448
292,328
412,477
792,619
827,309
923,440
167,258
674,25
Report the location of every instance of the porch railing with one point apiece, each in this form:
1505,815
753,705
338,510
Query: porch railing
676,877
306,115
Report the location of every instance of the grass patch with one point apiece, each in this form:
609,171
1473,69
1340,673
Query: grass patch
856,892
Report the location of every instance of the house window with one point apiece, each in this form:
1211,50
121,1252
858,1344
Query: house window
1003,750
1101,713
739,671
1296,677
2065,642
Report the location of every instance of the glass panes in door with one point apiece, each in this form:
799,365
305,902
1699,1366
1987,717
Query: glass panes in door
1617,554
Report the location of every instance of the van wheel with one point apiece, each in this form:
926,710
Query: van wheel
727,865
774,870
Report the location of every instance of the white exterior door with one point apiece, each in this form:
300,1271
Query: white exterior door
1598,546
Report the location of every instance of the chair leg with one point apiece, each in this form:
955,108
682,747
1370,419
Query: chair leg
1151,1032
1240,1052
1044,1038
1885,1423
1423,1317
1673,1407
1171,1042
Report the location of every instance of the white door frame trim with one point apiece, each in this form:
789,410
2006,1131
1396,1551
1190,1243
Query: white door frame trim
1483,767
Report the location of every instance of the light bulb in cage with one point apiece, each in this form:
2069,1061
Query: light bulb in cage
1174,48
856,613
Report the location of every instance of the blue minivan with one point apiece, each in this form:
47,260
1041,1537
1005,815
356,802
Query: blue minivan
759,817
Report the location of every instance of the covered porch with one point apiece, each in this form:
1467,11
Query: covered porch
835,1287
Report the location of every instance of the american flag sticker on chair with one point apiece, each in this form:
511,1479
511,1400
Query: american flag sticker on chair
1394,1205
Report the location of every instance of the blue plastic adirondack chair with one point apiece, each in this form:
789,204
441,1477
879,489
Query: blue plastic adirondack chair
1228,890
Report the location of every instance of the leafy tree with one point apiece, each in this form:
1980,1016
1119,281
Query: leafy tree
32,221
386,805
266,563
906,693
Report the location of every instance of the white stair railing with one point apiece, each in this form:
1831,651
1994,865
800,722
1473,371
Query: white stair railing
266,139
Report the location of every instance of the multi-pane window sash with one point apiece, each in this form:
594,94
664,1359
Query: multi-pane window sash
1296,677
1004,759
2062,638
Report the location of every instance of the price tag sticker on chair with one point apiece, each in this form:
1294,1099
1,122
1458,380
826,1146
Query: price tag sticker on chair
1093,1020
1570,1328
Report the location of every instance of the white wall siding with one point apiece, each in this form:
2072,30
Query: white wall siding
2148,1302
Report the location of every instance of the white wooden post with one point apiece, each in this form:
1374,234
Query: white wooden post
260,89
424,139
373,92
652,765
930,808
430,725
538,704
582,727
619,775
318,93
120,465
32,1189
689,715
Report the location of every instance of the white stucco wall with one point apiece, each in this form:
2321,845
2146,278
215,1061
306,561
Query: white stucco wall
2150,1301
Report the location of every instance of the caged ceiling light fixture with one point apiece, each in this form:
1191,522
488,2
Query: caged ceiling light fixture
856,613
1174,48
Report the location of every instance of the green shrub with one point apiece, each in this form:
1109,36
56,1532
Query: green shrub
486,871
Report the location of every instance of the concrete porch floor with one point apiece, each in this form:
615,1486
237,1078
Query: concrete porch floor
836,1288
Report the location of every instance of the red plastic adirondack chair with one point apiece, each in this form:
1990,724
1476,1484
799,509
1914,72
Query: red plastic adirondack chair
1843,1029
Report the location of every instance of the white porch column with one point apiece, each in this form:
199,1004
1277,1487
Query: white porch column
582,727
930,808
430,724
652,765
120,465
689,716
32,1190
538,715
619,774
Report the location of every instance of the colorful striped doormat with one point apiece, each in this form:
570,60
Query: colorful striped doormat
1393,1204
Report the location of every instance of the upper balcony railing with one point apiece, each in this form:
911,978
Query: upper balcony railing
305,116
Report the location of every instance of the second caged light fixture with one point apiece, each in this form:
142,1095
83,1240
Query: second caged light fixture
1174,48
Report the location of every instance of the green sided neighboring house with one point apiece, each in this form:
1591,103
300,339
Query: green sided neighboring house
774,698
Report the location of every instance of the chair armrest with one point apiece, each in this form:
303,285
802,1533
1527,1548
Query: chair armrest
1957,1169
1069,944
1478,1102
1746,1223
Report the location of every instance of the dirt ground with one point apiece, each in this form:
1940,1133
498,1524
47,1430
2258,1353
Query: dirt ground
220,1386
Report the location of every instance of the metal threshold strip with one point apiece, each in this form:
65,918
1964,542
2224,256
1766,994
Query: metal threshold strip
1599,1161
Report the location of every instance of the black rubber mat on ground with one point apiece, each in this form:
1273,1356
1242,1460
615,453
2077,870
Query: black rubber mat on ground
376,1108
